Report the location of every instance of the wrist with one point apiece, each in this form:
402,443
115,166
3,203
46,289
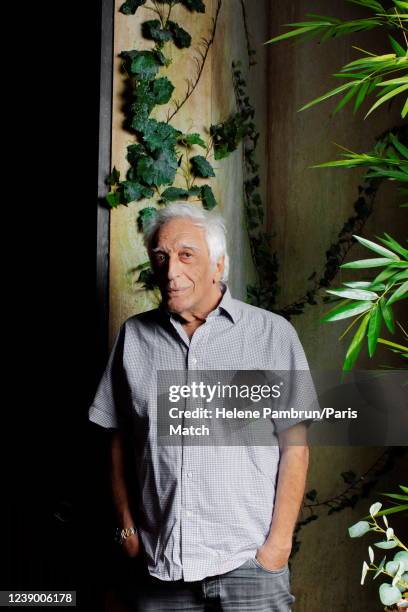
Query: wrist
122,534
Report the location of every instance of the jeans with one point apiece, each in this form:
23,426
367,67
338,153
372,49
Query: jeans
248,588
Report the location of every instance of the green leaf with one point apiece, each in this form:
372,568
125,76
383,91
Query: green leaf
174,193
356,344
376,248
362,91
346,311
135,191
399,146
393,244
144,64
207,197
160,170
181,37
368,263
189,140
359,529
404,109
114,177
159,136
329,94
354,294
394,510
365,285
194,5
152,30
388,316
201,167
130,6
386,545
113,199
396,496
145,215
162,89
400,293
388,96
374,327
396,46
405,489
389,595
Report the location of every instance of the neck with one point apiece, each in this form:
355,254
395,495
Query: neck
194,317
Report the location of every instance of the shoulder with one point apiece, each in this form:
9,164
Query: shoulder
147,319
270,320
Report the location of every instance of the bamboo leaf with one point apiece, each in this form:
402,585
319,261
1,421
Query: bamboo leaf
399,294
354,294
399,146
377,248
394,245
388,316
374,327
329,94
396,496
404,109
346,311
388,96
362,92
356,344
396,46
399,347
368,263
297,32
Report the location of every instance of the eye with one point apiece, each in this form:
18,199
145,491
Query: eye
186,255
160,258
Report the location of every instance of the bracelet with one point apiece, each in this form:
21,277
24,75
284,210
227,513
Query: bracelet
122,534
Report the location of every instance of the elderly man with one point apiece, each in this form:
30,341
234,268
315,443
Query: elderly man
211,527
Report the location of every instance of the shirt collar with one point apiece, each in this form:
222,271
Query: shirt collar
226,305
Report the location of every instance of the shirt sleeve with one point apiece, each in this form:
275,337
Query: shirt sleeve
106,405
298,402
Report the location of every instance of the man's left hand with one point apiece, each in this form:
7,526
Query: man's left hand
272,558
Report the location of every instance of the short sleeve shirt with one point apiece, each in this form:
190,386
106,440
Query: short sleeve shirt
200,510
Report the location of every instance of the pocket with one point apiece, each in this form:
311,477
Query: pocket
279,571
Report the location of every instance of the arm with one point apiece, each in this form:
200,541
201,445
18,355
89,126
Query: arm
120,495
274,553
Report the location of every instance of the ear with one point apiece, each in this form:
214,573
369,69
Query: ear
218,270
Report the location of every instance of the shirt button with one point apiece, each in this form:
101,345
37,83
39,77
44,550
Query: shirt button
189,513
194,360
190,474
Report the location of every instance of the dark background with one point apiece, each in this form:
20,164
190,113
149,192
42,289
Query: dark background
58,520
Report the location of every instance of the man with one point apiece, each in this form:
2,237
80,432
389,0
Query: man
212,525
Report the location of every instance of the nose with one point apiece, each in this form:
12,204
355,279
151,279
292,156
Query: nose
173,267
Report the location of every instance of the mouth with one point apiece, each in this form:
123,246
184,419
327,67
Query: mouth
177,291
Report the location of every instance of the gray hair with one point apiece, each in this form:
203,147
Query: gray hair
212,224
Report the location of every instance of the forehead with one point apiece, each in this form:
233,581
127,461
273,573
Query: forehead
177,232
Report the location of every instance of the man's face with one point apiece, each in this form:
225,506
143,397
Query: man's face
181,262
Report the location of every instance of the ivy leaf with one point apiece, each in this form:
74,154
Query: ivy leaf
146,277
113,199
143,64
174,193
201,167
114,176
160,170
194,5
135,191
189,140
144,215
181,37
195,190
152,31
162,89
158,135
130,6
134,152
207,197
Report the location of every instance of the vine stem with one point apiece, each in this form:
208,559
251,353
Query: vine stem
208,43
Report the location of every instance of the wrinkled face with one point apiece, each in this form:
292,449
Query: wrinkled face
181,262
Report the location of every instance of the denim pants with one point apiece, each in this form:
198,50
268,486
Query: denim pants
248,588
